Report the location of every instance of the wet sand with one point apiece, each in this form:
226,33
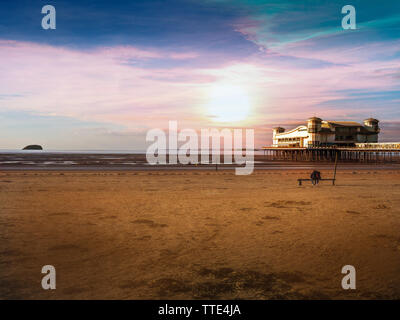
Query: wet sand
199,234
96,161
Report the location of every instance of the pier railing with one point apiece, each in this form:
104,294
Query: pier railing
344,154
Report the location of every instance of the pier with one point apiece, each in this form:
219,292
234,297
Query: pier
328,154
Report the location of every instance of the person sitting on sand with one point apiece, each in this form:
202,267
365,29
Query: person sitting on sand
315,177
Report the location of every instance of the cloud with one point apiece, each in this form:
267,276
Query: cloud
94,85
102,86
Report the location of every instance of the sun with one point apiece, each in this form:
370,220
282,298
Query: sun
228,103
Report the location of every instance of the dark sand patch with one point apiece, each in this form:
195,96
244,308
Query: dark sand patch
218,283
150,223
109,217
270,218
166,287
132,284
66,247
147,237
59,214
352,212
381,207
73,290
10,253
286,204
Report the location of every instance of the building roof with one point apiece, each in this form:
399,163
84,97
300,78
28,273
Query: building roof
292,130
344,123
328,126
372,119
315,119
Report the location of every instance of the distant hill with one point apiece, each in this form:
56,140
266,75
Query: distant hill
33,147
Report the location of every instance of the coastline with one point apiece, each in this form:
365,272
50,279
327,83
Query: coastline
77,161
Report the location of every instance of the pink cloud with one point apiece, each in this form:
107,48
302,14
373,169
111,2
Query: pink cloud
93,85
99,85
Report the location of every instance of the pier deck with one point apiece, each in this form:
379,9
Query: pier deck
344,154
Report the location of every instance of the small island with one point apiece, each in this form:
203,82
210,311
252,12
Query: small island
33,147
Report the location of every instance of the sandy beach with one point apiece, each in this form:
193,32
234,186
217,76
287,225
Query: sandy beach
199,234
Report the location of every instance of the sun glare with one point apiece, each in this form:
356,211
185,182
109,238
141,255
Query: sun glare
228,103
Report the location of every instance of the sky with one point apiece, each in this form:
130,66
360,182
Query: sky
113,70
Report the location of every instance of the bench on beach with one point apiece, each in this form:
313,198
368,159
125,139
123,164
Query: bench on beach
301,180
